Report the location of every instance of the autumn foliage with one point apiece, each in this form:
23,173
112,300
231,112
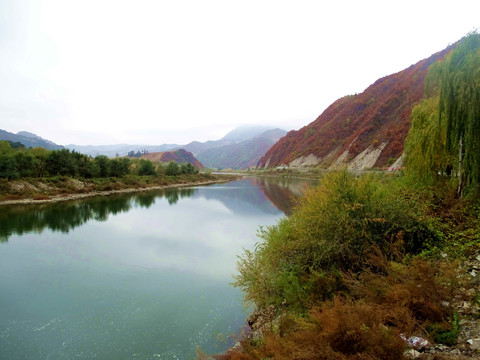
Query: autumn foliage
339,279
379,307
380,114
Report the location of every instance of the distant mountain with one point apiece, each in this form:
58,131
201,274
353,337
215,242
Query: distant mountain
28,135
120,149
241,154
29,140
235,136
364,131
245,132
180,156
195,147
240,148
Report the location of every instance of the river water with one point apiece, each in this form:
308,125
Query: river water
132,276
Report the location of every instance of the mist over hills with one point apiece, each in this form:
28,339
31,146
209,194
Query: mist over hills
236,136
243,154
119,149
240,148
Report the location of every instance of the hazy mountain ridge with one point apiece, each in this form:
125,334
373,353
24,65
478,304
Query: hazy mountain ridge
240,148
120,149
235,136
365,130
29,140
242,154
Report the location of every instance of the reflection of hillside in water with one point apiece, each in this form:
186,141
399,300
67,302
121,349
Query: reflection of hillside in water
282,192
252,195
240,197
67,215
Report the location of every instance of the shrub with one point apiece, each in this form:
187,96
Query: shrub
172,169
367,321
332,229
146,167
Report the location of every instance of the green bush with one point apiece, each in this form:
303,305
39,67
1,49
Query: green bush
146,167
172,169
331,231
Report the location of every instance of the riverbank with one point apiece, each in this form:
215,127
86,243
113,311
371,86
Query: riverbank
48,190
365,267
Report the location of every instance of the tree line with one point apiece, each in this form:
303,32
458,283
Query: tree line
19,162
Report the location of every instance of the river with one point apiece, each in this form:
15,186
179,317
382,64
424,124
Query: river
131,276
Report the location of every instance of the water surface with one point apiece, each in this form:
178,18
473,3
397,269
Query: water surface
132,276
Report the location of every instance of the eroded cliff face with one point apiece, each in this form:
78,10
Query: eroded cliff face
362,131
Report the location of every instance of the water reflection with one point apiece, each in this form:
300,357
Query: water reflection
265,194
173,195
282,191
67,215
239,196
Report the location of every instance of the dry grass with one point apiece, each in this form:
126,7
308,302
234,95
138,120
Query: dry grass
365,322
41,197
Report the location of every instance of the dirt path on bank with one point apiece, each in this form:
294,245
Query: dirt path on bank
66,197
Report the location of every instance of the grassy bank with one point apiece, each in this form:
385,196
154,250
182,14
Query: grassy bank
58,187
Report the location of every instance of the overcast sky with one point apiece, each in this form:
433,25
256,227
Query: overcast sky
153,72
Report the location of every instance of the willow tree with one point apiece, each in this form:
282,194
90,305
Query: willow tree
425,144
459,108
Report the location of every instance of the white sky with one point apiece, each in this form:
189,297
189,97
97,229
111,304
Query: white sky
153,72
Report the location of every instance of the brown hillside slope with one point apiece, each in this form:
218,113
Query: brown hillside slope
378,119
180,156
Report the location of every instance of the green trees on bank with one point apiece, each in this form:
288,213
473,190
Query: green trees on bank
20,162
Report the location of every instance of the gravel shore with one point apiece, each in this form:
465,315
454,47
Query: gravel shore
76,196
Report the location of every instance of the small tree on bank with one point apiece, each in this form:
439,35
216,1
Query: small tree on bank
172,169
146,167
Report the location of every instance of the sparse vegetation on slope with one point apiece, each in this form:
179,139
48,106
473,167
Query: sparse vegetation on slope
377,117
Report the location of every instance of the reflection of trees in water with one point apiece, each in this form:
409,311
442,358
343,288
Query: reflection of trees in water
172,195
145,199
64,216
